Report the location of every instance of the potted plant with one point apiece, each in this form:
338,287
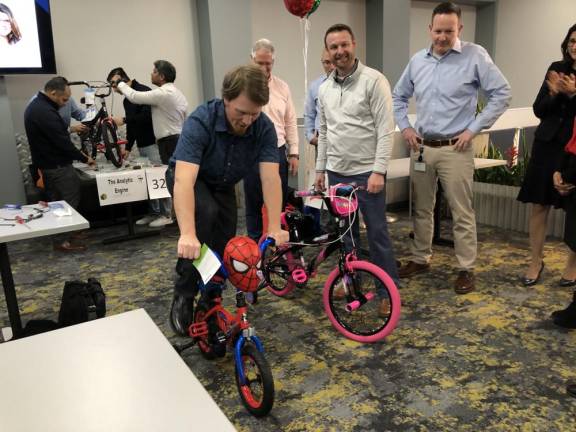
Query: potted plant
495,191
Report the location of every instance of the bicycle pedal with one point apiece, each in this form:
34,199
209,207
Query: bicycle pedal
251,297
199,329
299,276
219,349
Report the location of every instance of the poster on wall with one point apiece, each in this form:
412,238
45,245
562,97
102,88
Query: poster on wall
26,44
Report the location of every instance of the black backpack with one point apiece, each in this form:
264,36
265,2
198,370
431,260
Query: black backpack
81,302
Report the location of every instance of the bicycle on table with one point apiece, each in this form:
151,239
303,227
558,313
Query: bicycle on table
102,130
354,289
215,330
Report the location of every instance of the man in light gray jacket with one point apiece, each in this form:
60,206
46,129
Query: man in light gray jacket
355,139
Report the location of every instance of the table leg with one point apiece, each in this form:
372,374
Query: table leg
10,292
131,233
436,237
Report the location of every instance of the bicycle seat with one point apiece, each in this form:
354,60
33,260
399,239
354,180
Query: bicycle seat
300,226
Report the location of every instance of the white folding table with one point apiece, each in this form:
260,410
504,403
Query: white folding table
399,168
48,224
112,374
125,185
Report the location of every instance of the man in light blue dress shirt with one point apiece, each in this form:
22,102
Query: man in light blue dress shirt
445,80
311,108
72,111
312,126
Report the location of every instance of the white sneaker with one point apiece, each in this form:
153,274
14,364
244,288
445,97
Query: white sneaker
146,220
160,221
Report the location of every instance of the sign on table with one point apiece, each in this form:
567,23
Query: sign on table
121,187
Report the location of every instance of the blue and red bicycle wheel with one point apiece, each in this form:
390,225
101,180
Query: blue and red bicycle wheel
257,390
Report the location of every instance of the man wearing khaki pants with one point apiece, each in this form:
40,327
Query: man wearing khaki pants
445,80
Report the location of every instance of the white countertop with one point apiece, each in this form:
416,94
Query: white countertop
48,224
115,374
107,167
399,168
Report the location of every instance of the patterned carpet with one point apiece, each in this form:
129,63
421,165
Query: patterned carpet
488,360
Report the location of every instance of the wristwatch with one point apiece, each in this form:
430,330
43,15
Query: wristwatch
295,156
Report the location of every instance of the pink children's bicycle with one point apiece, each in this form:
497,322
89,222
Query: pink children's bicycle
360,299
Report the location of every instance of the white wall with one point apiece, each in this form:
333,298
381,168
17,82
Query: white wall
528,38
271,20
420,15
135,33
90,38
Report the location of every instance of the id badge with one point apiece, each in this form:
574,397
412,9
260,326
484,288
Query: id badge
420,167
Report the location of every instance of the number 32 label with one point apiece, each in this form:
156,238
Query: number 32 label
157,182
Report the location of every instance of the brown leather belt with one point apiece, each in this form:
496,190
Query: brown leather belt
438,143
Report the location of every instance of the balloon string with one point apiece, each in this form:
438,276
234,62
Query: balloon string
305,29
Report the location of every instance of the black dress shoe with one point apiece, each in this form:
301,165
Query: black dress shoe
571,389
529,282
567,282
566,317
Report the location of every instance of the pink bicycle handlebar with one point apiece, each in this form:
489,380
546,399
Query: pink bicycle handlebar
307,193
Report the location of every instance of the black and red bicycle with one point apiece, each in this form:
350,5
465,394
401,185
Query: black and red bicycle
102,131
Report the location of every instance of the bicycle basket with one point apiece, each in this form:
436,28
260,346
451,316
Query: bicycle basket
342,200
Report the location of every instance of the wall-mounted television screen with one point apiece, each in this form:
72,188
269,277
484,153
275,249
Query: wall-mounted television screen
26,45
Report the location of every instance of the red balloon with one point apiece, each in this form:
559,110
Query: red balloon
300,8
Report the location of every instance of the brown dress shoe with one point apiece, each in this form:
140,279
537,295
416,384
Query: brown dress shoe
339,293
464,283
412,268
384,308
79,235
69,247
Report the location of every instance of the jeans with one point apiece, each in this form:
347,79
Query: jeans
62,184
161,206
253,198
373,209
166,147
216,215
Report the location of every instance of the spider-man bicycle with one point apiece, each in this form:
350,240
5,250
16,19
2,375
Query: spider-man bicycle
214,329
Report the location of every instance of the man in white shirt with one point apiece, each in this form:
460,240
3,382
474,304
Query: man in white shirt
169,110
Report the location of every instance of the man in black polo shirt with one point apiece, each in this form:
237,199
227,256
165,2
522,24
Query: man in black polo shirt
51,149
220,142
139,130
